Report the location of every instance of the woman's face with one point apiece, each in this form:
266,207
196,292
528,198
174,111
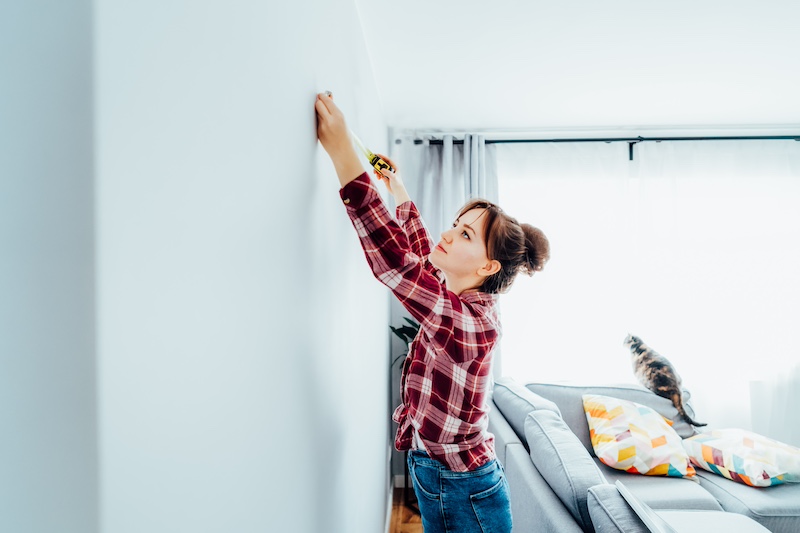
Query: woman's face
462,250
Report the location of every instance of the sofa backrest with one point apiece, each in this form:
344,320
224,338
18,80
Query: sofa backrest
569,400
515,401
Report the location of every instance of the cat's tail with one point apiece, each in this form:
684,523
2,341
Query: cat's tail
677,401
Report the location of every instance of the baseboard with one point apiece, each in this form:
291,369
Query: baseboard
389,491
389,503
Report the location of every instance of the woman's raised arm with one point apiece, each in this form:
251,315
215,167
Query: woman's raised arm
334,136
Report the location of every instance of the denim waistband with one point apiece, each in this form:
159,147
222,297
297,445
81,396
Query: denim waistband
424,459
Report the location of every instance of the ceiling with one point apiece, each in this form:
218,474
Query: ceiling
469,65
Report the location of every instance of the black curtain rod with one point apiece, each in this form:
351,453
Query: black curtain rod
624,139
630,140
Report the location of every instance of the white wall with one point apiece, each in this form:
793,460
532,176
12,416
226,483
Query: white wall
48,478
242,339
234,376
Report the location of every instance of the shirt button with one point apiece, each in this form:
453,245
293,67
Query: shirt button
347,201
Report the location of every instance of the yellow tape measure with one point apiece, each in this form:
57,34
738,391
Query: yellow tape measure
374,160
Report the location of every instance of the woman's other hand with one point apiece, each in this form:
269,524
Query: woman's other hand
392,180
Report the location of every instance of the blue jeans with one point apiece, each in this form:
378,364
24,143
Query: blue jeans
460,502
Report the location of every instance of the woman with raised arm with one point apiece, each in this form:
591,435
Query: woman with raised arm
451,290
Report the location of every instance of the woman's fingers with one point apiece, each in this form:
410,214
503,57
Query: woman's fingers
320,105
322,113
385,171
383,179
385,158
327,101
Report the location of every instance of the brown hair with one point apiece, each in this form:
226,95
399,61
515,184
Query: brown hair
517,247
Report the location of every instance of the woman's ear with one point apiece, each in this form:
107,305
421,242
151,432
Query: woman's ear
490,268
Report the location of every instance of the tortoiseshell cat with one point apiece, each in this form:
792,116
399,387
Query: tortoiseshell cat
656,373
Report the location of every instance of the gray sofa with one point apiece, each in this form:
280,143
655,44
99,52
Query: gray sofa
558,485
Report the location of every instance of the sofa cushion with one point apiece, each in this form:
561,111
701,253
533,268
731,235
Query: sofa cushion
563,462
611,513
745,457
515,401
632,437
777,508
663,492
569,399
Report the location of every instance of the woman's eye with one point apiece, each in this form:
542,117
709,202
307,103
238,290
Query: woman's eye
465,234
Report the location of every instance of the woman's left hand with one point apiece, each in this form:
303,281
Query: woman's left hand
332,129
334,136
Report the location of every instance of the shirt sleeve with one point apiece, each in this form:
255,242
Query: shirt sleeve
420,240
456,328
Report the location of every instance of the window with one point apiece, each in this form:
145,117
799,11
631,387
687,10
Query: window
693,246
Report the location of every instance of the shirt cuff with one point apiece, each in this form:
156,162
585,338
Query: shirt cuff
406,211
359,192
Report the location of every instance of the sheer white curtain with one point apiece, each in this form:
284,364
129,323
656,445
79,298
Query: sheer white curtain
692,247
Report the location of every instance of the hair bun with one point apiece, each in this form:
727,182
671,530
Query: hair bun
537,249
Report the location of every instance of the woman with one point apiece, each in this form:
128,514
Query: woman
452,292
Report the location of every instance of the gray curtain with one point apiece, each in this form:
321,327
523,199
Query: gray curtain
441,178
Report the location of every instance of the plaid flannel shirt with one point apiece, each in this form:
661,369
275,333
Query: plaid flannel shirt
447,373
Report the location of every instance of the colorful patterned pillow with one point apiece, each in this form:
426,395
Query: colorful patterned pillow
745,457
632,437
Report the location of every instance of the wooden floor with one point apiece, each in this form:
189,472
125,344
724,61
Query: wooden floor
403,520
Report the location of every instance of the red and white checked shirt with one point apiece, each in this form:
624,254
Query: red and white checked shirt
446,375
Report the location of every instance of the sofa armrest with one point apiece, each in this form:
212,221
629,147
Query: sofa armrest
534,506
711,521
611,513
